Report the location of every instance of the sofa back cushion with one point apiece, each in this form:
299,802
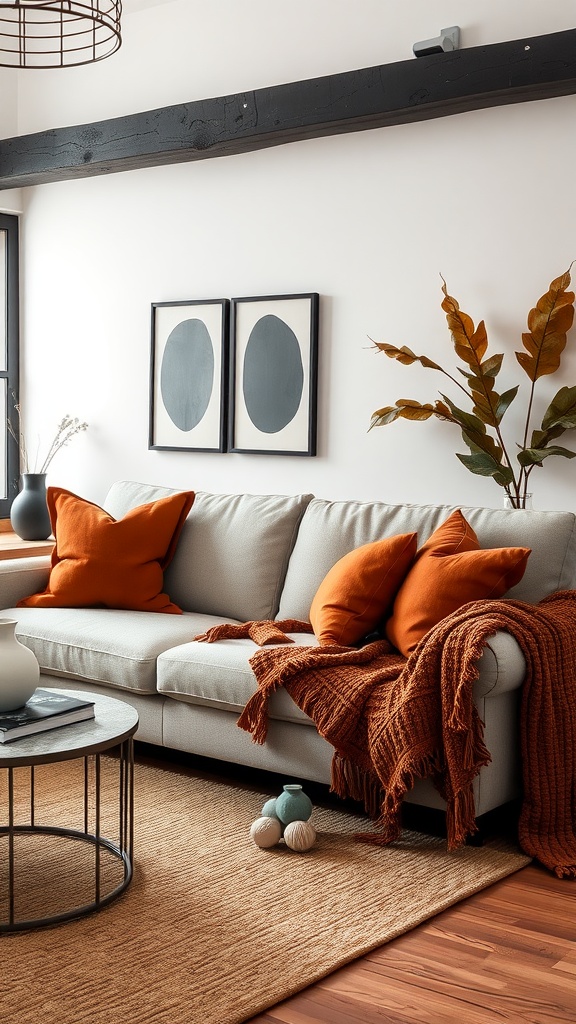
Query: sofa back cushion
329,529
233,551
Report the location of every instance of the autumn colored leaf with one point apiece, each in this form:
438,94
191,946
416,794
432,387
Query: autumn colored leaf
442,411
405,355
405,409
548,324
491,367
383,416
470,343
408,409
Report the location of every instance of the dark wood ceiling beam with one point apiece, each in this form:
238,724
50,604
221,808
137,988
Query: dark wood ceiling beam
398,93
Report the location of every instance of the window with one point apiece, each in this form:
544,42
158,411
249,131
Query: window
9,461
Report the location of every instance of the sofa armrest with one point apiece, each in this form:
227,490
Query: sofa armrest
20,577
502,667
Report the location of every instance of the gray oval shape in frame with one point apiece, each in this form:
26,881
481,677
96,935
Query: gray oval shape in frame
187,373
273,375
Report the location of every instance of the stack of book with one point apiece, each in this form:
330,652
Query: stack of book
46,709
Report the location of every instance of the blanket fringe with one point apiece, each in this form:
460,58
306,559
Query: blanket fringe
349,781
385,808
460,818
254,717
565,870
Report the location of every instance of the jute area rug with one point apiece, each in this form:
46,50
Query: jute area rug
213,930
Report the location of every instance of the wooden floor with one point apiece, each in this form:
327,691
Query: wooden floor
507,954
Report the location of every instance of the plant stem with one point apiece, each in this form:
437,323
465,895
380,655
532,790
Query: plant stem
496,427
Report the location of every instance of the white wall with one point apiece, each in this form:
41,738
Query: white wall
369,220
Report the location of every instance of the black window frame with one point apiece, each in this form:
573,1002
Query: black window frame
9,223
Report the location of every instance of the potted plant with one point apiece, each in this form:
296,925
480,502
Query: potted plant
481,425
29,515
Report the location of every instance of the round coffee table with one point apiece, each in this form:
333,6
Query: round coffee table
112,727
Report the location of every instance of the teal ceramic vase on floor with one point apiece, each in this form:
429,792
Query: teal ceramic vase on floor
269,809
293,804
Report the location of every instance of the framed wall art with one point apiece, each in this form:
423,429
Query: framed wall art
188,375
273,374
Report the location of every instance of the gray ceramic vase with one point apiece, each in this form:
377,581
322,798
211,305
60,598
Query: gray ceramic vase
29,513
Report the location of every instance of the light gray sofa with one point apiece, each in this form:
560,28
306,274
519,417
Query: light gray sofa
249,557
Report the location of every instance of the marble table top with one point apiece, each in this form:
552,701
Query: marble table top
113,721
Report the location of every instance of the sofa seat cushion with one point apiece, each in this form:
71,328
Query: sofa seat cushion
219,675
101,645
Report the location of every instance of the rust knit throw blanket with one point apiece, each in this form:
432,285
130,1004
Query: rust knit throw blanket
392,720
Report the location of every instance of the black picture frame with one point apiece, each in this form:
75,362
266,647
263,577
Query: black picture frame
273,389
9,361
189,375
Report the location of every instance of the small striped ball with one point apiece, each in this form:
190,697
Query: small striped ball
265,832
300,836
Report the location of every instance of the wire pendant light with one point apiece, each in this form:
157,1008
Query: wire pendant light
50,34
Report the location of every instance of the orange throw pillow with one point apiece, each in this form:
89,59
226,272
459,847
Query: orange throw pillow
359,589
450,569
102,562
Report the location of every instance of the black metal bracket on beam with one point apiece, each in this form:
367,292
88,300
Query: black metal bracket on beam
412,90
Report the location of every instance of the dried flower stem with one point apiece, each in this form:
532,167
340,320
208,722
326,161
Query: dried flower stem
67,429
